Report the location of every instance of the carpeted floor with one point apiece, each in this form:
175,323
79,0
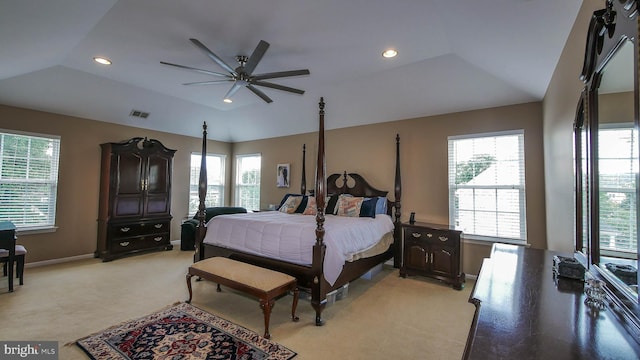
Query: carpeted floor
387,317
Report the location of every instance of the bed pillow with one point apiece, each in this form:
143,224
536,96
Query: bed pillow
368,207
284,198
331,207
310,208
303,205
381,205
291,204
349,206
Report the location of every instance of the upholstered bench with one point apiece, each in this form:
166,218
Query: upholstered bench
262,283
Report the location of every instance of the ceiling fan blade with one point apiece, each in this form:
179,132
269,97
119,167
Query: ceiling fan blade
213,56
234,89
198,70
259,93
278,87
212,82
280,74
256,56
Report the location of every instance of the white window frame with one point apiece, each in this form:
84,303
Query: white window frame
517,233
32,207
608,245
215,181
240,187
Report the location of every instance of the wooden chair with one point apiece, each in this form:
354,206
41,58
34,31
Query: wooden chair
11,253
18,259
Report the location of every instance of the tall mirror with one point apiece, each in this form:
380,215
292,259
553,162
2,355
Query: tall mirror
617,170
607,163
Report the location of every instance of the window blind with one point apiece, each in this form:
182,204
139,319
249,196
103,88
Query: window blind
247,192
215,181
28,179
487,185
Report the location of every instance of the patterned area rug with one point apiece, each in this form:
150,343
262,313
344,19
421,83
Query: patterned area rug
181,332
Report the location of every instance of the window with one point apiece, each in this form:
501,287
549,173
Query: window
215,182
29,179
617,166
486,186
248,181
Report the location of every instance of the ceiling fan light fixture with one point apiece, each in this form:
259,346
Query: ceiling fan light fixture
102,60
389,53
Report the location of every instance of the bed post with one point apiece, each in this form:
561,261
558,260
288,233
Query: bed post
202,193
303,185
318,296
397,233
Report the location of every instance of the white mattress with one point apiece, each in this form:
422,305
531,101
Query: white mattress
290,237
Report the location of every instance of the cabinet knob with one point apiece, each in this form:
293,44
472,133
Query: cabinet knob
125,229
446,252
158,238
124,243
157,226
443,238
416,235
430,235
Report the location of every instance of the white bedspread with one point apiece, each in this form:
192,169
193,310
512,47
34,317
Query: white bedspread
290,237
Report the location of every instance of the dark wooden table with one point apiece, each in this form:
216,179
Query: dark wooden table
524,312
8,242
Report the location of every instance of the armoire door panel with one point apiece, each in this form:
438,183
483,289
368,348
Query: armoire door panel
125,205
129,174
158,174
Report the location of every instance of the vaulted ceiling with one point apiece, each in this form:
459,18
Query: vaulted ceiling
452,56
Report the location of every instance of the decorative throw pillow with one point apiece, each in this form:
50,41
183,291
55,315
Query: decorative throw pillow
291,204
284,198
311,208
303,205
331,207
368,208
349,206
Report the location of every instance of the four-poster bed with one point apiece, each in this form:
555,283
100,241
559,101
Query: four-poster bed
313,273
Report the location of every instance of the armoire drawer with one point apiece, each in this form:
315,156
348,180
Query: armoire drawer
128,244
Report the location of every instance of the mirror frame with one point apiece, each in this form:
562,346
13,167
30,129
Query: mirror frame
609,29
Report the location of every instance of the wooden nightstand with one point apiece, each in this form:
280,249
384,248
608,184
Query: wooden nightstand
432,250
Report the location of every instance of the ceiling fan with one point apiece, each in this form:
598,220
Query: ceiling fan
243,74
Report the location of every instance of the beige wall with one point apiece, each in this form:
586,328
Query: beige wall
370,151
77,206
559,108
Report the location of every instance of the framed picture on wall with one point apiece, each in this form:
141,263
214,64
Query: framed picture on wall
282,173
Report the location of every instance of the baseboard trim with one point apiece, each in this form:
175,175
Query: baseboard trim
58,261
73,258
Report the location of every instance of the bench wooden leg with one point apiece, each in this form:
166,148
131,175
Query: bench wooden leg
189,287
296,295
266,306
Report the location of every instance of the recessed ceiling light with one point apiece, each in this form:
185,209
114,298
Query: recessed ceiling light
389,53
228,101
101,60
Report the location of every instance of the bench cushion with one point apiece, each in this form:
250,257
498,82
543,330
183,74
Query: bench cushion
259,278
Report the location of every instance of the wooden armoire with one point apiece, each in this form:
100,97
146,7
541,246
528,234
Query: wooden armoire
134,212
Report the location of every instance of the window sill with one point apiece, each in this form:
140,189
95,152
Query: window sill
36,230
487,241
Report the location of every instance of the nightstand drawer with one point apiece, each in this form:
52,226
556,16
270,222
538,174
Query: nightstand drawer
433,236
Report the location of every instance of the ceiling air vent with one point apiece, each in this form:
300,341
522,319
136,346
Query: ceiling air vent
138,113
